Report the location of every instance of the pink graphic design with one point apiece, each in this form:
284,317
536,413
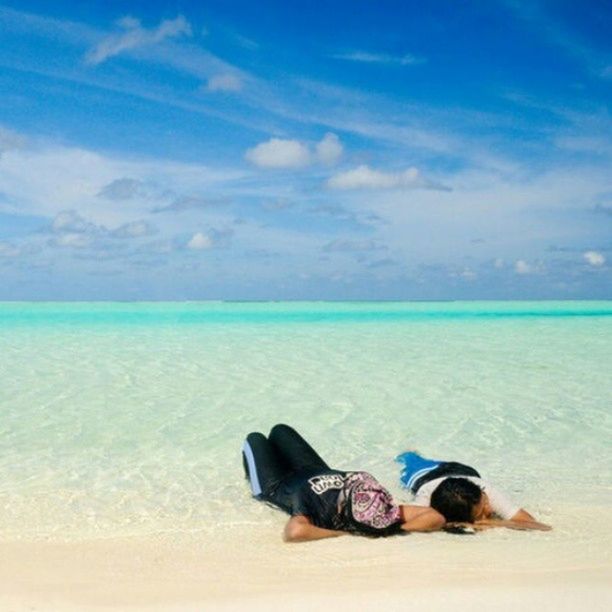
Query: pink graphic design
371,503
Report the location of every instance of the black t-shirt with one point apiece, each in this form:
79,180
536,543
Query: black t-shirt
344,501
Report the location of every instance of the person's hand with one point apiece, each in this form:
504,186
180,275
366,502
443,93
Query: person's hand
459,528
467,527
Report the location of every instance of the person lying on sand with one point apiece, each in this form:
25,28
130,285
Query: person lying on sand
458,493
284,470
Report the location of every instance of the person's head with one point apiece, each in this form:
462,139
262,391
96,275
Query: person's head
460,501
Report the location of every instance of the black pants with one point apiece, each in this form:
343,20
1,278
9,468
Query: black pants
270,461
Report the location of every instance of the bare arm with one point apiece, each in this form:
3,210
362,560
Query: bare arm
300,529
420,518
512,524
521,520
508,514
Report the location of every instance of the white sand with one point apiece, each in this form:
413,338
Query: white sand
239,569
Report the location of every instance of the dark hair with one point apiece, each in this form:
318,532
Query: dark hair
455,499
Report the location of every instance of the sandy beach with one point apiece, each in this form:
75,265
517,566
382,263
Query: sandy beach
567,569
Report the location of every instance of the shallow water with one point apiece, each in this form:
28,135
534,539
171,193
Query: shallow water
127,419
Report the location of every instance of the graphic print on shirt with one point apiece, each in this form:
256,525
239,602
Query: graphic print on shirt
371,503
320,484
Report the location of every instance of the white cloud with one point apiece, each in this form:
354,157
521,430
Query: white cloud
224,82
329,150
379,58
199,242
278,153
134,35
364,177
594,258
523,267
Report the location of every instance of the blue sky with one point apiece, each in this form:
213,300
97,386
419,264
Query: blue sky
305,150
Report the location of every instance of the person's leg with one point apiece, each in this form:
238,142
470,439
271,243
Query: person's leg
297,453
263,465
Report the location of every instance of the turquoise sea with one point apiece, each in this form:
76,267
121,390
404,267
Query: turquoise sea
127,418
